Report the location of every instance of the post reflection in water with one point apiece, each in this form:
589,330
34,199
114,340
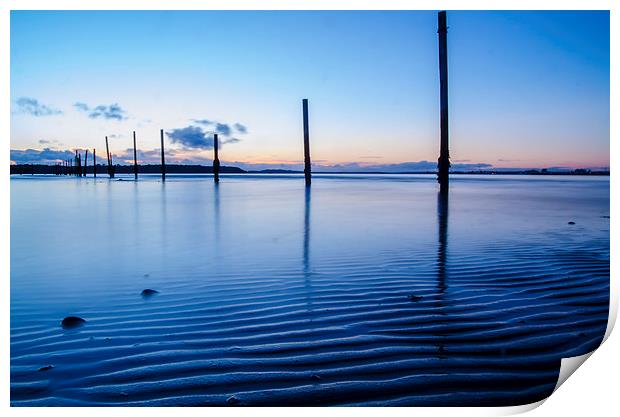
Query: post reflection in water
216,211
442,221
442,246
306,248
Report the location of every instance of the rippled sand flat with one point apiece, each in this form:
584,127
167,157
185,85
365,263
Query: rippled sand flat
363,290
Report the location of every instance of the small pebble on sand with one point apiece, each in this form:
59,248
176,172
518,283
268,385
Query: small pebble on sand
71,322
149,292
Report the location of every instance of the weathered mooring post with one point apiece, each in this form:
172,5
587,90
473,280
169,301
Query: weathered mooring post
163,162
94,163
307,165
85,161
443,165
135,157
216,160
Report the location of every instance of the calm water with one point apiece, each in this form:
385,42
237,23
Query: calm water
367,290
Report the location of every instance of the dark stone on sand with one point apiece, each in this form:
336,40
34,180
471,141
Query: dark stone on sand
413,297
233,400
571,222
71,322
46,368
149,292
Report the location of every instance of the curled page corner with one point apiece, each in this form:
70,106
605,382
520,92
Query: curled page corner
568,366
520,409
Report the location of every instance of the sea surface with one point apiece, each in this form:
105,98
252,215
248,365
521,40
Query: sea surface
361,290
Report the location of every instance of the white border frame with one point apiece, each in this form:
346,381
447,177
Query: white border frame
596,383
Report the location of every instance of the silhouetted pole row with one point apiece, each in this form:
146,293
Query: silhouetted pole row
135,157
163,162
216,160
443,165
307,169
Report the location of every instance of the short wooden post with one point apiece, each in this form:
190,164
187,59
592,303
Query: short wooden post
163,162
135,157
111,167
307,164
85,161
216,160
78,166
107,151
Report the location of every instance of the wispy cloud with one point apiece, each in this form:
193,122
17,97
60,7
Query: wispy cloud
223,129
108,112
240,128
45,156
32,106
204,122
196,137
191,137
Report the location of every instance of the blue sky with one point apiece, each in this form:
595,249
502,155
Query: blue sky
527,89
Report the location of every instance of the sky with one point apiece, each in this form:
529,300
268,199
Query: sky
527,89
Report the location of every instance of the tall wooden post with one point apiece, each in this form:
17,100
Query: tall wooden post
135,157
443,165
163,162
307,169
85,161
216,160
94,163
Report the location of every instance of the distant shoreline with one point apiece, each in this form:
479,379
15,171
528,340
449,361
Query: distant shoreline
29,169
